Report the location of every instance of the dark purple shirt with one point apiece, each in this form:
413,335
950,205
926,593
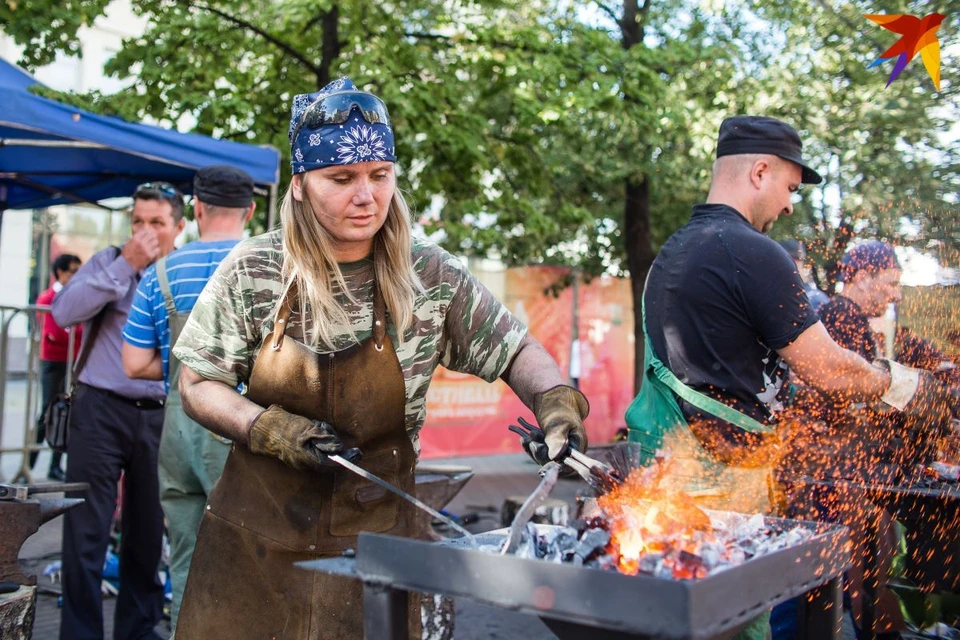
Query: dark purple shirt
106,280
849,327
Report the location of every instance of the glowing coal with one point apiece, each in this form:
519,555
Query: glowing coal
644,525
729,540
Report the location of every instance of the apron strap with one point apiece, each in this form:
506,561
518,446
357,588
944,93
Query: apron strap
286,309
379,317
697,399
283,315
164,283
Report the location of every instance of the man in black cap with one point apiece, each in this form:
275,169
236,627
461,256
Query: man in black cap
726,316
191,458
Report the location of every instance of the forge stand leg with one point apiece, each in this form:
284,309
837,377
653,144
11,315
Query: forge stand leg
870,587
384,613
820,612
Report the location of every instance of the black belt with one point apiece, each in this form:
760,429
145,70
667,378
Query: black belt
140,403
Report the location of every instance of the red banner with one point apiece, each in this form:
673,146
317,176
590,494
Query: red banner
467,416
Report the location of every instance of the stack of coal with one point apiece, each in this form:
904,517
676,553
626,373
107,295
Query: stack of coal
735,539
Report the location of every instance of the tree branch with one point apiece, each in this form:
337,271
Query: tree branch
313,22
609,11
280,44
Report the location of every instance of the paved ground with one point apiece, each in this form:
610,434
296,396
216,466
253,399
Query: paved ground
496,477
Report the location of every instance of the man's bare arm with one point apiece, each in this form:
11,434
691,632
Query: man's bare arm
532,371
217,406
142,364
822,363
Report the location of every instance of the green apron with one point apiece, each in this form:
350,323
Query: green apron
655,421
191,460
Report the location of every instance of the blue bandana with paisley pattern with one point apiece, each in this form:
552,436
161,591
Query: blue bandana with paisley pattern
355,140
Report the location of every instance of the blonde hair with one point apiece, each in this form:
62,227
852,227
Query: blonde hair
309,264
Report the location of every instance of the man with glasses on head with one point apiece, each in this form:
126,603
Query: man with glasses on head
335,324
191,458
115,428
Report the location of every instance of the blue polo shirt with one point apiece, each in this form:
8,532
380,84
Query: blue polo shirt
188,270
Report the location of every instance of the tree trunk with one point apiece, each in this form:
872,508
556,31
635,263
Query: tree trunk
331,45
636,208
636,217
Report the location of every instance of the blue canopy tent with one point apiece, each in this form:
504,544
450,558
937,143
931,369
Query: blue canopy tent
51,153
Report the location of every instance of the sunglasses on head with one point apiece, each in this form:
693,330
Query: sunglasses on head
337,107
163,189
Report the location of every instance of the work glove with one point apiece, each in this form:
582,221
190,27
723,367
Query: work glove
918,394
298,442
560,412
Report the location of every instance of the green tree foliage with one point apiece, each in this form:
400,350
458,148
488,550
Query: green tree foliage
560,131
886,151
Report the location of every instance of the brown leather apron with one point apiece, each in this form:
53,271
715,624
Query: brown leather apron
263,516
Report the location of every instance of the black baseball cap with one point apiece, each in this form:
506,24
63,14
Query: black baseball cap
223,185
760,134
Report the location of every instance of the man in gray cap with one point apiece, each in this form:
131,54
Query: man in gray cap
726,317
191,458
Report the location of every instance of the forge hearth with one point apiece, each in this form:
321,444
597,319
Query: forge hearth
582,599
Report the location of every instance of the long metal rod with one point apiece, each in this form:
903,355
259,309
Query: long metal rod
55,144
551,472
29,433
4,346
7,316
363,473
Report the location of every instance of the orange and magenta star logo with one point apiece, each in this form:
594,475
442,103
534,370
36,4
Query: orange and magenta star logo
917,35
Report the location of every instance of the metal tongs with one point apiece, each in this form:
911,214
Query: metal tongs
598,475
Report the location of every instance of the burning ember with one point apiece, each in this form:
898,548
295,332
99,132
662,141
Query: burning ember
639,527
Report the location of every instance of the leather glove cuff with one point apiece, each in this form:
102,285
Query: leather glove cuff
563,396
904,382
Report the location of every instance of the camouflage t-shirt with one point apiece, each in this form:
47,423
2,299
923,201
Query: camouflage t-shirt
457,322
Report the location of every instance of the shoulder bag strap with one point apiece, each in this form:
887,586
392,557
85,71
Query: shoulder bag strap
90,337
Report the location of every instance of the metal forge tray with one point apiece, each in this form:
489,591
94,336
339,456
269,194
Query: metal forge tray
592,599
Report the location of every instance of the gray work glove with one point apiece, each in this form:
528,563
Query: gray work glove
918,394
296,441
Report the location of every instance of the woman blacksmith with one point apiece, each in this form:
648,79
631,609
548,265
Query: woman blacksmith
334,325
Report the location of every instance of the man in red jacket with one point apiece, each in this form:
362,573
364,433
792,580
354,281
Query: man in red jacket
53,353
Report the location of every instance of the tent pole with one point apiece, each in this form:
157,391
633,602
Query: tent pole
272,207
3,202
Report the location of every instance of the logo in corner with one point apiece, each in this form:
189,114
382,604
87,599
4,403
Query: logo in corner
917,35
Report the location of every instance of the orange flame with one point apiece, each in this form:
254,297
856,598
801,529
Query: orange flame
645,518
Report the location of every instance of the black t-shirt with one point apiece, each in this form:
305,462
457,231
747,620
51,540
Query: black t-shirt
721,298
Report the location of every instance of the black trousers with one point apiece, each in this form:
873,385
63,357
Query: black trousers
109,435
52,376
